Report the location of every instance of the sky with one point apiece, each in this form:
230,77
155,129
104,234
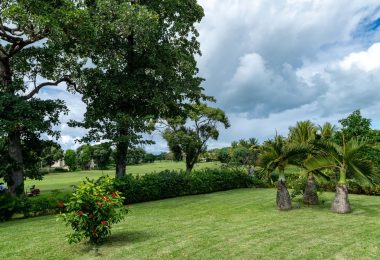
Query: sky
271,63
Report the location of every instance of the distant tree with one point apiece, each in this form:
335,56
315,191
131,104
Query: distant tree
136,155
326,131
149,158
84,156
191,138
51,154
245,153
223,155
101,154
71,159
355,126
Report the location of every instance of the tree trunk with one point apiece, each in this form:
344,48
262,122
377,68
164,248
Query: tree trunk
341,203
121,159
189,165
5,73
251,170
310,195
15,179
283,198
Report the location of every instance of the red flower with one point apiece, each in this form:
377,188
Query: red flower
61,204
104,222
113,195
80,213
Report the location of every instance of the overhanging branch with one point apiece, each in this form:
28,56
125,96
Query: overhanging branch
50,83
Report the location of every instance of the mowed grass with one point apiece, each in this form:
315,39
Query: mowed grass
238,224
64,181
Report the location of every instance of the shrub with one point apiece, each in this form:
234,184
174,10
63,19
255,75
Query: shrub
8,206
168,184
92,209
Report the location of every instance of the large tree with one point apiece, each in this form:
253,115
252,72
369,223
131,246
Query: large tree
143,68
189,135
38,46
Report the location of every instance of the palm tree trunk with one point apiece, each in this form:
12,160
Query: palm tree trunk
341,204
310,195
283,200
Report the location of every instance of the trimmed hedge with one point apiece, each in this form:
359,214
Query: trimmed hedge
33,206
169,184
154,186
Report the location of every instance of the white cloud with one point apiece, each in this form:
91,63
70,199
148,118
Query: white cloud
365,60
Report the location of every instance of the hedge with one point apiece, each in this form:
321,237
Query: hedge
169,184
154,186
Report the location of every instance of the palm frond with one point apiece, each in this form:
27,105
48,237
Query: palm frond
320,162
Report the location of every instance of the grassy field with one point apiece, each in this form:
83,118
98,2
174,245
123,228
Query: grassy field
238,224
64,181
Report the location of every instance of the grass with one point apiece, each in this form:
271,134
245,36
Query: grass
238,224
64,181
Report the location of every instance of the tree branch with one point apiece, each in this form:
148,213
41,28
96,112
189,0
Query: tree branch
55,83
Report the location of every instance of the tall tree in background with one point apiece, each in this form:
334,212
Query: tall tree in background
38,40
191,138
71,159
101,153
143,68
355,126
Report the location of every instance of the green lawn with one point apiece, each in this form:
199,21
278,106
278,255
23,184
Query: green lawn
63,181
238,224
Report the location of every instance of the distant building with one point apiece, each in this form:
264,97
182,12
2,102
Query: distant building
60,164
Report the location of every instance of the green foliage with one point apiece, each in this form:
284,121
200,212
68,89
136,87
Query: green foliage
347,159
144,68
8,206
71,159
223,155
355,126
84,156
191,140
27,67
92,210
168,184
135,156
51,154
101,154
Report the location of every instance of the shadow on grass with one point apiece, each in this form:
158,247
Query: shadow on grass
122,238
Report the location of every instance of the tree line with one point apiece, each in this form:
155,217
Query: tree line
323,153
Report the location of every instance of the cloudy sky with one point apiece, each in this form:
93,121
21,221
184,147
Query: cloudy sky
271,63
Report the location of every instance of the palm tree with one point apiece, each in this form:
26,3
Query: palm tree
346,159
305,132
277,154
326,132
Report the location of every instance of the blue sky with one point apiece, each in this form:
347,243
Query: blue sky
271,63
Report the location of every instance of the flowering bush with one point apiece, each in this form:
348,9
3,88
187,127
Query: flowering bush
92,209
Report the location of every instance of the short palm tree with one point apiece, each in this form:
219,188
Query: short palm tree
346,159
277,154
305,132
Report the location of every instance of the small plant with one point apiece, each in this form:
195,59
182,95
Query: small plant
92,209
